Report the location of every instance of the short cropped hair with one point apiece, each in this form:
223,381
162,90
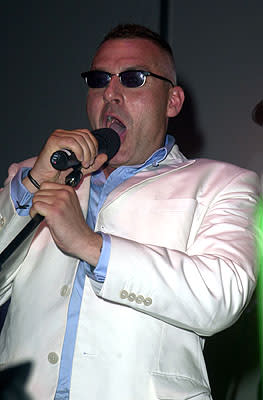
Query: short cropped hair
134,31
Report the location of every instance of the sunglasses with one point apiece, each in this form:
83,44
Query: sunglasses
131,78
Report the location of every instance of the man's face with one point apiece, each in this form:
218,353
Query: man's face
139,115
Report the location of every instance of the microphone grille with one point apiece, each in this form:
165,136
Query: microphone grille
109,141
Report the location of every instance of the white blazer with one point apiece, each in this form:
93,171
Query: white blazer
181,267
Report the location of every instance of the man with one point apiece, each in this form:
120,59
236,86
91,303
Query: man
149,254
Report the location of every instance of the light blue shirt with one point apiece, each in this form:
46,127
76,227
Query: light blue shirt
100,188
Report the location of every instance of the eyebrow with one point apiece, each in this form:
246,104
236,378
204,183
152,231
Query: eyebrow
127,68
137,67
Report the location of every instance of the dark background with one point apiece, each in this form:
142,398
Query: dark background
218,51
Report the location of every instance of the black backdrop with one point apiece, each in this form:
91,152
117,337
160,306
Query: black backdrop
218,49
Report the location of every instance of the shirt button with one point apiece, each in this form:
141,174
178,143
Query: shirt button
53,358
147,301
139,299
65,291
132,297
124,294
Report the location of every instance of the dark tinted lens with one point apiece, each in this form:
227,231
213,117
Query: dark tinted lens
97,79
132,79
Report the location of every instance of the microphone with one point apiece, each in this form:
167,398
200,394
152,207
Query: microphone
108,143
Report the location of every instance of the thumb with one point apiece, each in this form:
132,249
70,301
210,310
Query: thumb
98,163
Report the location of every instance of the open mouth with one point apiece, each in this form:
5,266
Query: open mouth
115,124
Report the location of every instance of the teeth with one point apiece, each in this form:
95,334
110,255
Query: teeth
115,124
109,121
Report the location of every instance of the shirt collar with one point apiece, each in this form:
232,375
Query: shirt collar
159,155
154,160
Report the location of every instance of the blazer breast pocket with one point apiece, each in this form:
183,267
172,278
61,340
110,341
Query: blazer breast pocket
169,222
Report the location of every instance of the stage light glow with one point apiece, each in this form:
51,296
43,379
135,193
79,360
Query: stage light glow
259,233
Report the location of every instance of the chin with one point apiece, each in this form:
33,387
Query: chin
118,161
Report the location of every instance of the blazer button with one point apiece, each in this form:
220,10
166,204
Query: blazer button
124,294
53,358
65,291
139,299
2,221
147,301
132,297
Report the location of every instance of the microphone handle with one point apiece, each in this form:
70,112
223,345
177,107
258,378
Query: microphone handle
64,159
22,235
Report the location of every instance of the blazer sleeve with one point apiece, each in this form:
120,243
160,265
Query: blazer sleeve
205,288
10,225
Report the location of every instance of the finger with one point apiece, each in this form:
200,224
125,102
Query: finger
71,141
49,186
52,204
98,163
91,148
52,192
81,142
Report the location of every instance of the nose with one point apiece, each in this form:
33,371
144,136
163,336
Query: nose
113,91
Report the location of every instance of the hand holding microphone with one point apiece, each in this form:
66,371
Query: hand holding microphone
108,143
60,204
75,149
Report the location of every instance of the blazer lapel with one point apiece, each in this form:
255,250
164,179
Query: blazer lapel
174,161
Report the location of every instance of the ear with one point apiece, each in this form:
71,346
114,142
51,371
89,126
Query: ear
175,101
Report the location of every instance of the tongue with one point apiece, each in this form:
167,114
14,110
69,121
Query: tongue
118,127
